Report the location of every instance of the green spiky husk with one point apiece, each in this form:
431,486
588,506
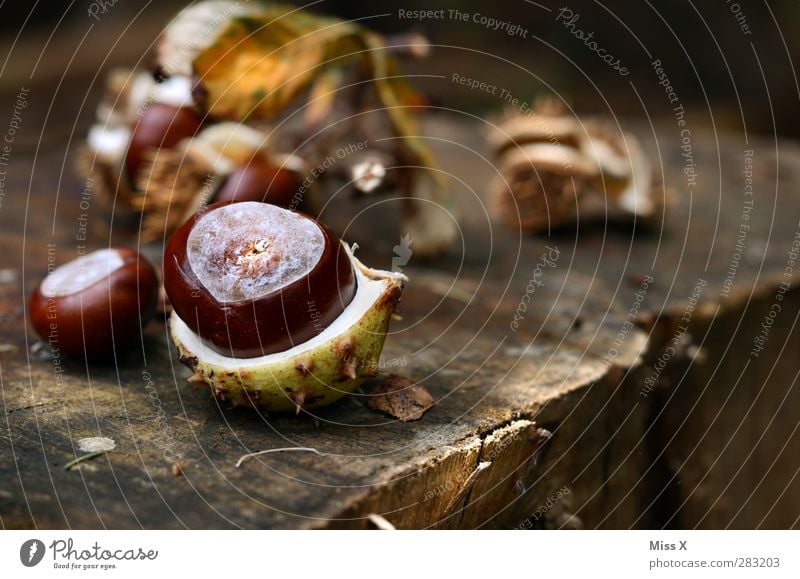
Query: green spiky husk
299,378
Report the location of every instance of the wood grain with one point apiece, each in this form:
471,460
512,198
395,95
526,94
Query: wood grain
558,408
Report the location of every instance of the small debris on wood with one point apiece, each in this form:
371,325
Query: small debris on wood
41,351
247,457
8,276
696,354
96,444
177,470
400,397
380,522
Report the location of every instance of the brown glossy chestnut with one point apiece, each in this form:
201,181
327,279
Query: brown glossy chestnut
260,181
252,278
160,126
96,303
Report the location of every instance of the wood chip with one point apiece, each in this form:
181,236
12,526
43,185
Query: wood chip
96,444
8,276
380,522
400,397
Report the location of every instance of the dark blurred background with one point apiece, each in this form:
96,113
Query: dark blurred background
731,63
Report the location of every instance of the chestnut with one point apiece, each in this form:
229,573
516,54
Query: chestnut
96,303
260,181
162,125
251,279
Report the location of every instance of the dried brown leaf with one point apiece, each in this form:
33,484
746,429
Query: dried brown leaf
261,64
400,397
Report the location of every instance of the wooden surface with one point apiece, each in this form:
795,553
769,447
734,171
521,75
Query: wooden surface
558,409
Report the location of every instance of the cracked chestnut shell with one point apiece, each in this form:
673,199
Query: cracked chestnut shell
252,279
96,303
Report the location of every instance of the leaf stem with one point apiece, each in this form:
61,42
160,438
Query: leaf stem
274,450
80,459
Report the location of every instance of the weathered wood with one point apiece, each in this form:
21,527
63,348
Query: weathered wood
558,408
729,427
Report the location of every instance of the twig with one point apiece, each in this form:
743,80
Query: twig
80,459
247,457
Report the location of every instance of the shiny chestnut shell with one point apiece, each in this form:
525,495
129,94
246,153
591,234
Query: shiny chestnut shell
260,181
106,315
160,126
267,324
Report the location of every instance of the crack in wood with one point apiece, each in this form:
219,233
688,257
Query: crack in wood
35,405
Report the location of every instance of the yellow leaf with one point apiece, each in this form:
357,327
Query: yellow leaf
259,65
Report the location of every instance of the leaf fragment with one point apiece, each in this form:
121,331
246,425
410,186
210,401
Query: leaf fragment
400,397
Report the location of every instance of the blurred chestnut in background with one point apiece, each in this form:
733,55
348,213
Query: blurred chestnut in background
260,181
160,126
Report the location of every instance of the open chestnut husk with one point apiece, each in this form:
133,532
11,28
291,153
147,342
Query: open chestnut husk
224,162
556,169
271,310
96,304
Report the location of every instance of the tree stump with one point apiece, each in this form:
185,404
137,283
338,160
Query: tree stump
629,395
